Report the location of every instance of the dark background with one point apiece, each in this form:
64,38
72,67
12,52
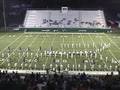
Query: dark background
15,9
73,3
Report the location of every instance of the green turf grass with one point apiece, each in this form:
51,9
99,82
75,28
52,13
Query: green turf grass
60,43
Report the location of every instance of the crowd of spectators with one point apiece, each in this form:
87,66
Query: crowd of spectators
15,81
75,21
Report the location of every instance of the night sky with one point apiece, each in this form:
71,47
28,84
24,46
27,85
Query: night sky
113,4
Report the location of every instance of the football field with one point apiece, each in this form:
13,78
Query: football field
64,51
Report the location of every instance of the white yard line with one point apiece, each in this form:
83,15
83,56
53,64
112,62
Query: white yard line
110,51
52,41
33,41
63,43
84,46
96,73
1,37
11,43
43,40
29,45
57,33
83,41
112,41
15,50
62,50
52,46
41,43
96,47
75,56
18,46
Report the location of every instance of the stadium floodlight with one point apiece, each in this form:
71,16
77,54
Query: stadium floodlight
4,16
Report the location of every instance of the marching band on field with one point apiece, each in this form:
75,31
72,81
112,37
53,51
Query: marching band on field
26,55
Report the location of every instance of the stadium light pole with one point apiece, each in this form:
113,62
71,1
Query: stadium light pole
4,16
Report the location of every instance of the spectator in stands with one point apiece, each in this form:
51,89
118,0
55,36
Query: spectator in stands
15,81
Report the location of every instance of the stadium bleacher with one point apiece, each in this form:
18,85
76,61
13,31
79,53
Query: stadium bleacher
71,19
